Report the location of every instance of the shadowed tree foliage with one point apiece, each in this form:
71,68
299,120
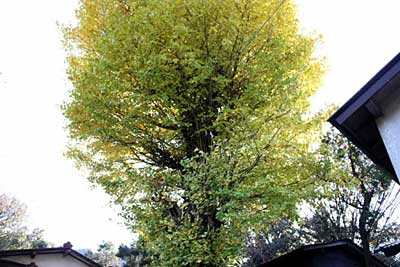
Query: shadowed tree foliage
360,207
281,238
192,114
135,255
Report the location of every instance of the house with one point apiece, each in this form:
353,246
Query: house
342,253
63,256
371,118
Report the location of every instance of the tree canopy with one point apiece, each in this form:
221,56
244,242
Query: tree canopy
193,115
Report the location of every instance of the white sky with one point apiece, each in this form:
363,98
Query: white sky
33,84
360,36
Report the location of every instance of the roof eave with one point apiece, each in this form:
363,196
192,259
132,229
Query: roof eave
362,99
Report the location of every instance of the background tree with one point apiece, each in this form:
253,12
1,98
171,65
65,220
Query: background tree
14,234
12,228
362,212
134,255
104,255
36,239
360,208
281,238
192,114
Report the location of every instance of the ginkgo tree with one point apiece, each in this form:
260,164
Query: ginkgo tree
193,116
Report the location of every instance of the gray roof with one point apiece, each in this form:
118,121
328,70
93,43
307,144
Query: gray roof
345,245
66,249
389,249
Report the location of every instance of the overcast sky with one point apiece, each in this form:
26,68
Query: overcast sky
360,36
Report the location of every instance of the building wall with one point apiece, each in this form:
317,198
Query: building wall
48,260
389,127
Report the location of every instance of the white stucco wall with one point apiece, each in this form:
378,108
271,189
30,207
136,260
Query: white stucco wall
48,260
389,127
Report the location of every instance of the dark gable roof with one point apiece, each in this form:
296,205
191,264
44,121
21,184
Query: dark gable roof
6,263
390,249
356,118
65,250
346,244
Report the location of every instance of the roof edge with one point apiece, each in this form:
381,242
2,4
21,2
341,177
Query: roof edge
337,243
45,251
395,60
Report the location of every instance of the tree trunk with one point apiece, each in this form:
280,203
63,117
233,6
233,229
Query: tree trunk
362,224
